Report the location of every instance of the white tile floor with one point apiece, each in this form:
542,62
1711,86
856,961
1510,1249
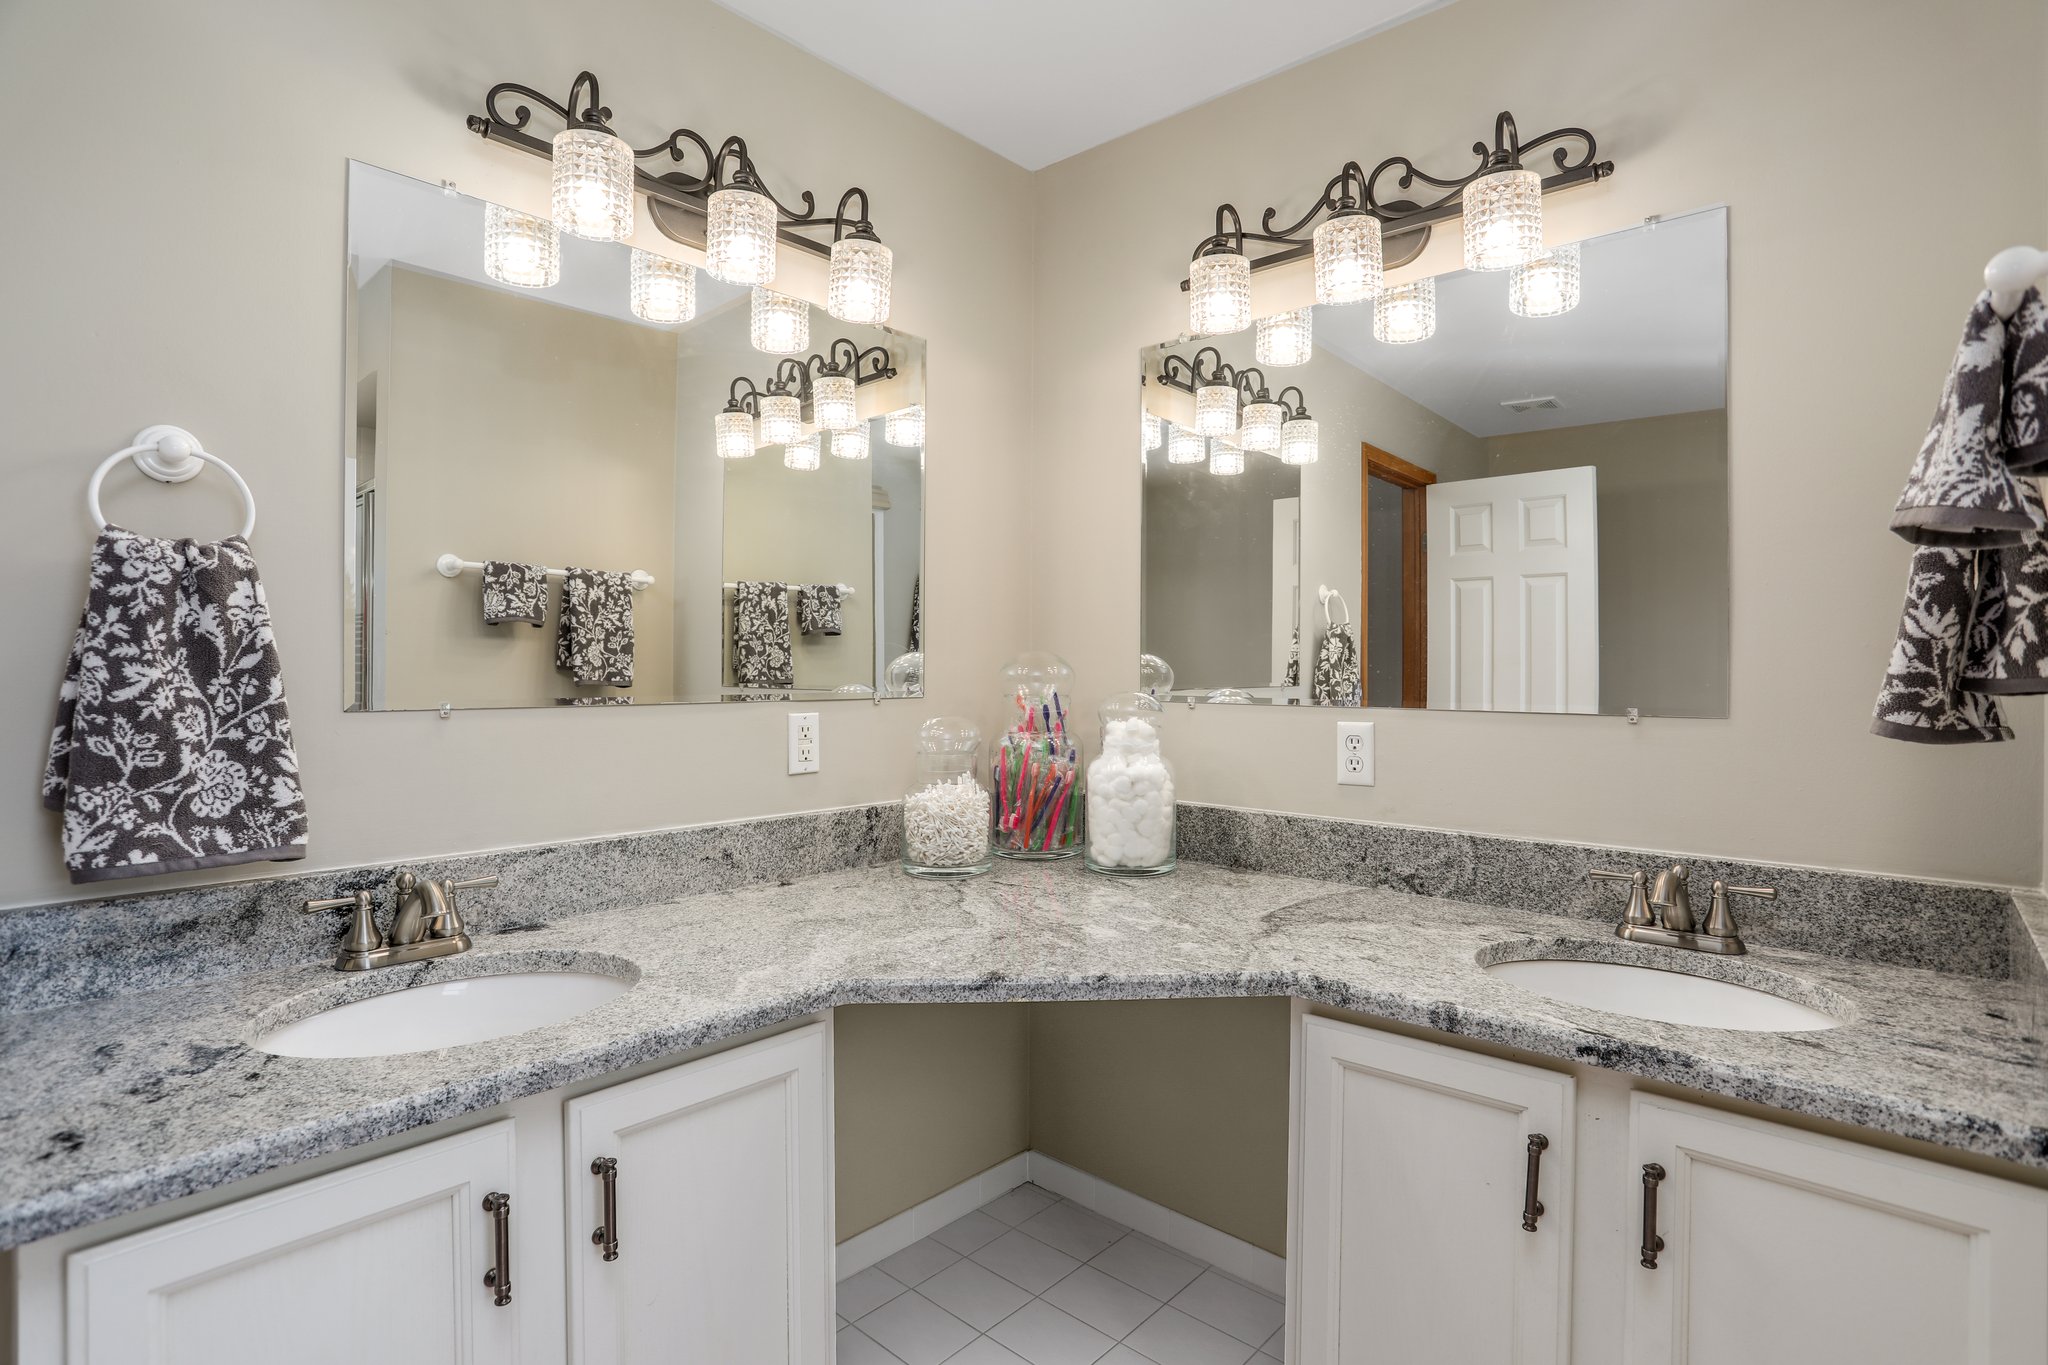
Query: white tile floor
1032,1279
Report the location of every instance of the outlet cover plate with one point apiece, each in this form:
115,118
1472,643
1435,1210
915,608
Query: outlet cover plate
803,742
1354,753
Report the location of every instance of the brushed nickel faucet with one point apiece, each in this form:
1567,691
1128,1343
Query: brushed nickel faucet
1661,911
424,923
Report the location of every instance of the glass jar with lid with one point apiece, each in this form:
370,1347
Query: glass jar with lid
1130,791
1037,764
946,809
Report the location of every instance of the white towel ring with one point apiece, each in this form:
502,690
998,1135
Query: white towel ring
1324,593
169,454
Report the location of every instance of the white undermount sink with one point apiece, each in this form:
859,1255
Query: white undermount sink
1668,997
472,1009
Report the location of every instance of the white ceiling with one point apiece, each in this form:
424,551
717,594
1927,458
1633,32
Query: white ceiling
1649,337
1040,80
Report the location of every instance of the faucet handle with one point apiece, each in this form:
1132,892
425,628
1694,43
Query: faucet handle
363,934
1638,911
1721,919
469,884
448,924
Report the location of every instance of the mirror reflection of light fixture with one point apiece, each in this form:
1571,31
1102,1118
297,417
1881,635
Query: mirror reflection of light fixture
1220,292
1546,286
1500,202
905,427
1224,458
1215,383
520,249
1285,338
827,382
1216,409
593,181
1261,430
662,290
1151,431
1184,445
1300,437
1405,312
733,429
801,454
782,418
781,325
832,402
851,444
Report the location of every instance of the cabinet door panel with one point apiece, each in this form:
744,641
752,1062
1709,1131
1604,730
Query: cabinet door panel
1784,1247
723,1225
384,1261
1414,1161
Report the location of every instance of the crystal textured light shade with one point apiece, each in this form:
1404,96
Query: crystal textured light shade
858,287
832,402
1503,220
520,249
663,290
905,427
1261,430
1153,429
739,236
782,418
593,184
851,445
1184,445
801,454
1216,409
1219,294
1225,458
1285,338
1546,286
781,324
735,435
1349,263
1405,313
1300,441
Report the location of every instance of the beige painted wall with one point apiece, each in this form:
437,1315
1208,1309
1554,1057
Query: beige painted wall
511,429
1663,513
1181,1101
220,309
1831,387
926,1096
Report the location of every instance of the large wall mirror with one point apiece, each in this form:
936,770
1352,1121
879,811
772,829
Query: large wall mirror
639,548
1455,503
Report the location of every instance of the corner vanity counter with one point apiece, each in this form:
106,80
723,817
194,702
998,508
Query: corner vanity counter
121,1104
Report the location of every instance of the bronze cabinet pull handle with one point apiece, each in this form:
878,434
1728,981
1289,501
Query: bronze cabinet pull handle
606,1168
499,1276
1653,1175
1532,1207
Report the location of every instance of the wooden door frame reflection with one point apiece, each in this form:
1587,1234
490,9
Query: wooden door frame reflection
1413,481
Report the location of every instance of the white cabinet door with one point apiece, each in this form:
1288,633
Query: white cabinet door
381,1262
1514,592
1787,1248
723,1224
1414,1166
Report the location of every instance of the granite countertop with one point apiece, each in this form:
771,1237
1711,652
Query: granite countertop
119,1104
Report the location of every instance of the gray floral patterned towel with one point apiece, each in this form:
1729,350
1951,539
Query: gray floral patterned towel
515,592
819,610
1960,490
172,748
2026,384
1336,676
916,644
594,641
2008,645
606,700
761,654
1921,699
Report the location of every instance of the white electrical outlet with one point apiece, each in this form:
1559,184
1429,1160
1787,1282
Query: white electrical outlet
803,741
1354,753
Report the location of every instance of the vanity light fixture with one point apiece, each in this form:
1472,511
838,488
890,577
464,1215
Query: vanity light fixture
1216,409
1262,420
1184,445
1151,431
1546,286
780,325
1285,338
801,454
1224,458
1300,437
727,209
905,427
1214,383
832,405
782,417
1501,202
1405,313
833,376
520,249
851,444
663,290
733,429
1220,289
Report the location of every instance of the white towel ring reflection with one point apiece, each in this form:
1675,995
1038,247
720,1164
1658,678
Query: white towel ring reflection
1325,594
169,455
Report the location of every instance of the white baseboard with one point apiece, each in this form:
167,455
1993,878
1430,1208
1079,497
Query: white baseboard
1231,1255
